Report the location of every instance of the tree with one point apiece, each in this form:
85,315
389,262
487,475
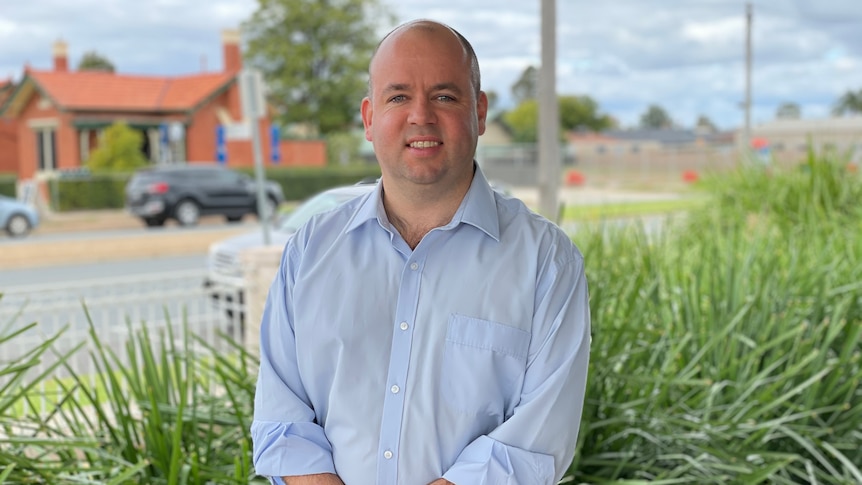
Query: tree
788,111
314,57
655,117
93,61
849,103
576,112
119,150
705,124
493,99
527,86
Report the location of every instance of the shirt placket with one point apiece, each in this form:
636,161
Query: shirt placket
402,339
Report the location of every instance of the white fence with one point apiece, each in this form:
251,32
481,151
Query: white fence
117,308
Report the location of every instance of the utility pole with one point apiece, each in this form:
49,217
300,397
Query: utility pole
746,137
549,117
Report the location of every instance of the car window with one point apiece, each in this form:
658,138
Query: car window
315,205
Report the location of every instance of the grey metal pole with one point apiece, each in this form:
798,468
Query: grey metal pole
747,133
549,117
251,89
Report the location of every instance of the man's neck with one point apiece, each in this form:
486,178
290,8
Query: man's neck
415,213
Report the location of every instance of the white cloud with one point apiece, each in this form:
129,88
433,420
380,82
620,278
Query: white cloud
687,57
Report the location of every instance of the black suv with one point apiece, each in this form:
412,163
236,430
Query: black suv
186,192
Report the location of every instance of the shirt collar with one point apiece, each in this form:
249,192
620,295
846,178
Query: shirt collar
478,208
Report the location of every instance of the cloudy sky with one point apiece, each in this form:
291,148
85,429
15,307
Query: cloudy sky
687,56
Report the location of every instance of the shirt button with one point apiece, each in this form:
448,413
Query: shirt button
395,389
404,325
387,454
413,266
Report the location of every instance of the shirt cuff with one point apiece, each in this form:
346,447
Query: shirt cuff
488,461
287,449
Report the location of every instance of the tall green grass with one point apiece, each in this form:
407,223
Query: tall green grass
178,414
727,350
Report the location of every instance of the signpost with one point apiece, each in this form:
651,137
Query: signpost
253,108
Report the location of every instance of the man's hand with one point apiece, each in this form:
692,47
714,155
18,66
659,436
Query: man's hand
318,479
441,481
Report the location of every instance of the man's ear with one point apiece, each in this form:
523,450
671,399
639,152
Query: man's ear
482,110
366,111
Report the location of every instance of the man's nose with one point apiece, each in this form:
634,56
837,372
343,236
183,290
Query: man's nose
421,112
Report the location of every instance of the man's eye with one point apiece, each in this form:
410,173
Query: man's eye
446,98
397,98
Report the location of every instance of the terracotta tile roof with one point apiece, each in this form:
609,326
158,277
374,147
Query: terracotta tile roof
105,91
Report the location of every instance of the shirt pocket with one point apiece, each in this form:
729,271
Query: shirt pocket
483,366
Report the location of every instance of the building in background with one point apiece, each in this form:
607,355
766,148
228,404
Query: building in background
787,140
53,119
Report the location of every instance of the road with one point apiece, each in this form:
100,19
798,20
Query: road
110,245
76,272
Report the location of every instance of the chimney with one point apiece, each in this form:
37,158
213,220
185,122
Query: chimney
230,48
61,59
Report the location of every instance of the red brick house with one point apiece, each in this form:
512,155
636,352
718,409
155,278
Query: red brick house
8,134
57,117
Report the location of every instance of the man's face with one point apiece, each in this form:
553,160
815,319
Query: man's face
423,116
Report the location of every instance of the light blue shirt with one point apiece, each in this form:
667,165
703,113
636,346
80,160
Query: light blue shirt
465,358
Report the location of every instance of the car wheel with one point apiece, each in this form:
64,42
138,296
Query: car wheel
154,222
187,212
18,226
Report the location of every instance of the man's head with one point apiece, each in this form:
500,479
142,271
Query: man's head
475,75
425,109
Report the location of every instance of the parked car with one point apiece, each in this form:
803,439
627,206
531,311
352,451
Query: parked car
188,191
224,279
224,270
16,217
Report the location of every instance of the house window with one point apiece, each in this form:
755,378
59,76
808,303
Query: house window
46,149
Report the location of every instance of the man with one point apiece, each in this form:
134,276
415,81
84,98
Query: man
434,331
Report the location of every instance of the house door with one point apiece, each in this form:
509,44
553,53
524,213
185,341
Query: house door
46,149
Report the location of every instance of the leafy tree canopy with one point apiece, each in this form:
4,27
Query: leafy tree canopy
119,150
93,61
656,118
314,57
849,103
704,123
527,86
576,112
788,110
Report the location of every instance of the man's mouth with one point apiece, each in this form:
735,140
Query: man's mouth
424,144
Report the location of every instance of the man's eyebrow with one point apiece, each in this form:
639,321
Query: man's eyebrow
394,88
398,87
447,87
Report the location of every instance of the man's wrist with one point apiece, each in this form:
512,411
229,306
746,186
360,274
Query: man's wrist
317,479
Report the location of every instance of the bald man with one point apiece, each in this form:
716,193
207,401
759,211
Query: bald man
433,331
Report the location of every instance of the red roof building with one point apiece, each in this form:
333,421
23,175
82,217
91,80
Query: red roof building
53,119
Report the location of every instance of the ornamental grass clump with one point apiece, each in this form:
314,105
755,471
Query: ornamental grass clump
177,413
727,349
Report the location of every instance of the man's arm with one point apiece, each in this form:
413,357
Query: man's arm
318,479
536,444
286,437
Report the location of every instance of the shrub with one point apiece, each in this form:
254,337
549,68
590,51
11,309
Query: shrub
119,150
727,348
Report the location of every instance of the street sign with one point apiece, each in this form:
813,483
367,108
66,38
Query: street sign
221,146
275,153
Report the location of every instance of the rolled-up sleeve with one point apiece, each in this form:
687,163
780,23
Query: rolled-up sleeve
286,439
536,444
